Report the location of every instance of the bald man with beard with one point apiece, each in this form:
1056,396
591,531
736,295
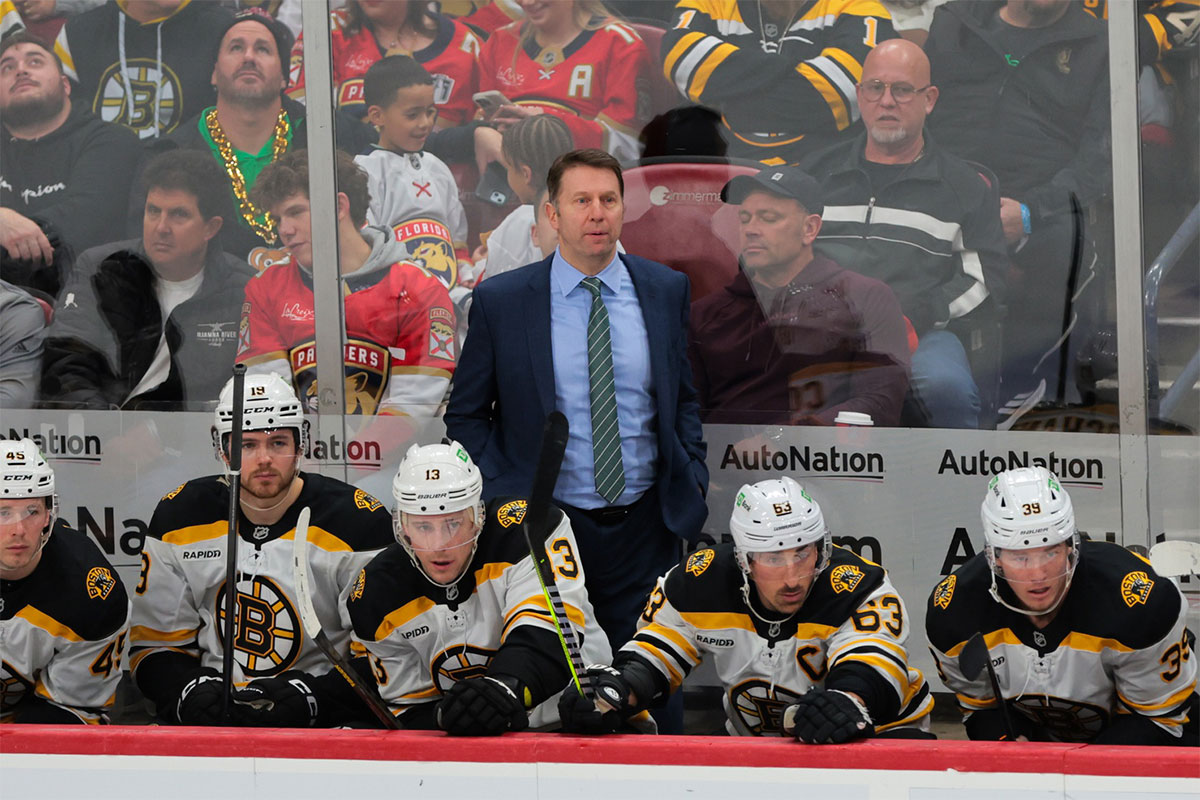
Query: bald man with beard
904,211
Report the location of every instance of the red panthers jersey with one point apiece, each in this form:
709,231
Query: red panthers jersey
452,60
400,349
598,83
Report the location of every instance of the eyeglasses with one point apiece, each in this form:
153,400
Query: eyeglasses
901,92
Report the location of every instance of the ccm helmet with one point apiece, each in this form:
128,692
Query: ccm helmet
25,473
1024,509
268,403
436,479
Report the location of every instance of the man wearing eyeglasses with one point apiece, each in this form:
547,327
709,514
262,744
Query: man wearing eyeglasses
900,209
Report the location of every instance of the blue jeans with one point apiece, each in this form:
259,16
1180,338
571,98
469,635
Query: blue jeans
941,392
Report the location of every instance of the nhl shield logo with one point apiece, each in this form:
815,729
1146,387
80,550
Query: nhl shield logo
100,582
698,561
1135,588
845,578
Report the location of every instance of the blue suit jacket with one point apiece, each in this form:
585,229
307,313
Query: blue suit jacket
504,385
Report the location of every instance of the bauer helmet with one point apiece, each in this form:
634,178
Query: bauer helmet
25,473
774,515
1027,509
268,403
436,479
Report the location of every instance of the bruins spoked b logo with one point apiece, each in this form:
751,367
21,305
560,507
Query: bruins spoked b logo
759,707
459,663
266,631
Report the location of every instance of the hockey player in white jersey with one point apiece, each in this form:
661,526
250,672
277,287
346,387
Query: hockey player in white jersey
453,618
64,614
807,639
283,678
1088,643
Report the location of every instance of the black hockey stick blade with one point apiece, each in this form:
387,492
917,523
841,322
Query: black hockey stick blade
312,624
973,660
235,484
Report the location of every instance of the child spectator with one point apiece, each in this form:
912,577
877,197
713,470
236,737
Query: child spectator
529,148
413,192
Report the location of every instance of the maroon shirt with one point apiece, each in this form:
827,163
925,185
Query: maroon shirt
831,340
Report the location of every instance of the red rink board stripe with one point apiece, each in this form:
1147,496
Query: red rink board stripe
550,748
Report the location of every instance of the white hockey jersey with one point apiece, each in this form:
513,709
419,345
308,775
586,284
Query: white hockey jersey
422,638
63,631
511,244
850,632
1117,645
179,603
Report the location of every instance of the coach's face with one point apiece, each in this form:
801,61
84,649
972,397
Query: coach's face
587,216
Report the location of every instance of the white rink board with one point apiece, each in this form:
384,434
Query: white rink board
896,495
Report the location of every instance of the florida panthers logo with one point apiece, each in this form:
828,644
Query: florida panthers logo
1135,588
845,578
759,708
266,633
430,246
944,592
511,513
459,663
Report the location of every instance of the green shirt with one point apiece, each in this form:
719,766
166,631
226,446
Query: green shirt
251,164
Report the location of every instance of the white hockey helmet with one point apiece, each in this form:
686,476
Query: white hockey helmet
25,473
1025,509
268,403
436,479
774,515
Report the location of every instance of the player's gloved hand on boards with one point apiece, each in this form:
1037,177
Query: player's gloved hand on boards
284,701
827,717
481,707
200,701
607,713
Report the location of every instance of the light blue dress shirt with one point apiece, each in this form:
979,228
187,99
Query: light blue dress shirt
570,305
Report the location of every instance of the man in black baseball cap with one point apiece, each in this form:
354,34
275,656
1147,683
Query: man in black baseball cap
794,339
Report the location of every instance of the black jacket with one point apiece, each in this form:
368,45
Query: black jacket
107,325
1038,119
72,181
944,262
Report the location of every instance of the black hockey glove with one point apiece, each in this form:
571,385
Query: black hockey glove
607,714
481,707
827,717
284,701
200,700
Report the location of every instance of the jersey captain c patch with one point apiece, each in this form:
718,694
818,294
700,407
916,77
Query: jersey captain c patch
100,582
1135,588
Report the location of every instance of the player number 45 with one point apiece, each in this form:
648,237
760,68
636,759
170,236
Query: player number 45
110,658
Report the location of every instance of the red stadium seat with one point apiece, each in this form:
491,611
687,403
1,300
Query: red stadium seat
674,215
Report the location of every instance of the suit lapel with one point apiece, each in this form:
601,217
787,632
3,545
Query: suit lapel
537,331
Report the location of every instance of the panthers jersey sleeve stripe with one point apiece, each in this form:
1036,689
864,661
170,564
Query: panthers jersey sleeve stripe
196,533
48,624
402,616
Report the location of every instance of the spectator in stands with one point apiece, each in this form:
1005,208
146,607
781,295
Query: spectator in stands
152,322
485,16
143,64
367,30
62,168
911,18
251,125
45,18
400,350
1024,91
528,149
795,338
783,76
22,323
412,192
574,60
901,209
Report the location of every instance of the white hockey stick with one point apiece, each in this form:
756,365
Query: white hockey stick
312,625
1176,558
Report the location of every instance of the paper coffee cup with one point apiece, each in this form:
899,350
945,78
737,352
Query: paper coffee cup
847,419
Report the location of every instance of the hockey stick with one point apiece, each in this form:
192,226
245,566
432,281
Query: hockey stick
973,659
1176,558
312,625
235,489
554,444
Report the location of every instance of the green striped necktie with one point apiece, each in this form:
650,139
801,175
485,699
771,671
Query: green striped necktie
606,433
